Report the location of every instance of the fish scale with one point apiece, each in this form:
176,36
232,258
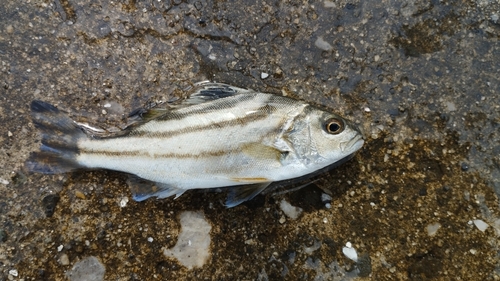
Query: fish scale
221,136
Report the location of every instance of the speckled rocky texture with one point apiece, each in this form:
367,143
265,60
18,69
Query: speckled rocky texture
420,77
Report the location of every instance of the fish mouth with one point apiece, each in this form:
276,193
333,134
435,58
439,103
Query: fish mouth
354,144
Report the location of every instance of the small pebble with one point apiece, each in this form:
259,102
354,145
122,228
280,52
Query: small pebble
282,220
89,268
2,181
322,44
64,259
13,272
289,210
325,198
494,18
9,29
150,239
481,225
9,133
264,75
80,195
450,106
350,252
464,167
123,202
250,242
49,203
433,228
329,4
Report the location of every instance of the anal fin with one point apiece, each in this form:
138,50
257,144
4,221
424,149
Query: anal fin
240,194
143,189
165,190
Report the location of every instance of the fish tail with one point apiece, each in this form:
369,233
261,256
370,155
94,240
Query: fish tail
60,135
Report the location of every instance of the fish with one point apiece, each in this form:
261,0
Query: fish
220,136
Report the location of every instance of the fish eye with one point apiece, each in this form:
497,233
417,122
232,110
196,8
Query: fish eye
334,126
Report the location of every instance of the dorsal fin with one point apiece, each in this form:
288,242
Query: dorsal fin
142,115
207,91
145,115
201,92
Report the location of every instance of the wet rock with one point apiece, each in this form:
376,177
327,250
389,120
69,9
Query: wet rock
88,269
3,235
19,178
364,265
49,204
289,210
41,274
308,198
426,267
103,29
350,6
289,256
192,248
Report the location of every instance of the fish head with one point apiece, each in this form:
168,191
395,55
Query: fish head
326,138
335,136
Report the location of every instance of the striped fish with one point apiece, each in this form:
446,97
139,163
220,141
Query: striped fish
221,136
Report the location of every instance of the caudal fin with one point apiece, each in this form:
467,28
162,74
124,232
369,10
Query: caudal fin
59,140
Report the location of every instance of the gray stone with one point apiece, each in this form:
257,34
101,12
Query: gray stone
88,269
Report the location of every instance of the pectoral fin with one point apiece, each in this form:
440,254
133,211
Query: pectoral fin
142,189
262,151
240,194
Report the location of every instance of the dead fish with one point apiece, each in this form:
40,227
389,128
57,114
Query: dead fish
220,136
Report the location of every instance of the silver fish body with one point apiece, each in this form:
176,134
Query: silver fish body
220,136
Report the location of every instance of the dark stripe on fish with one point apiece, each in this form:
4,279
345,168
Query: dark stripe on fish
224,103
162,155
260,114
